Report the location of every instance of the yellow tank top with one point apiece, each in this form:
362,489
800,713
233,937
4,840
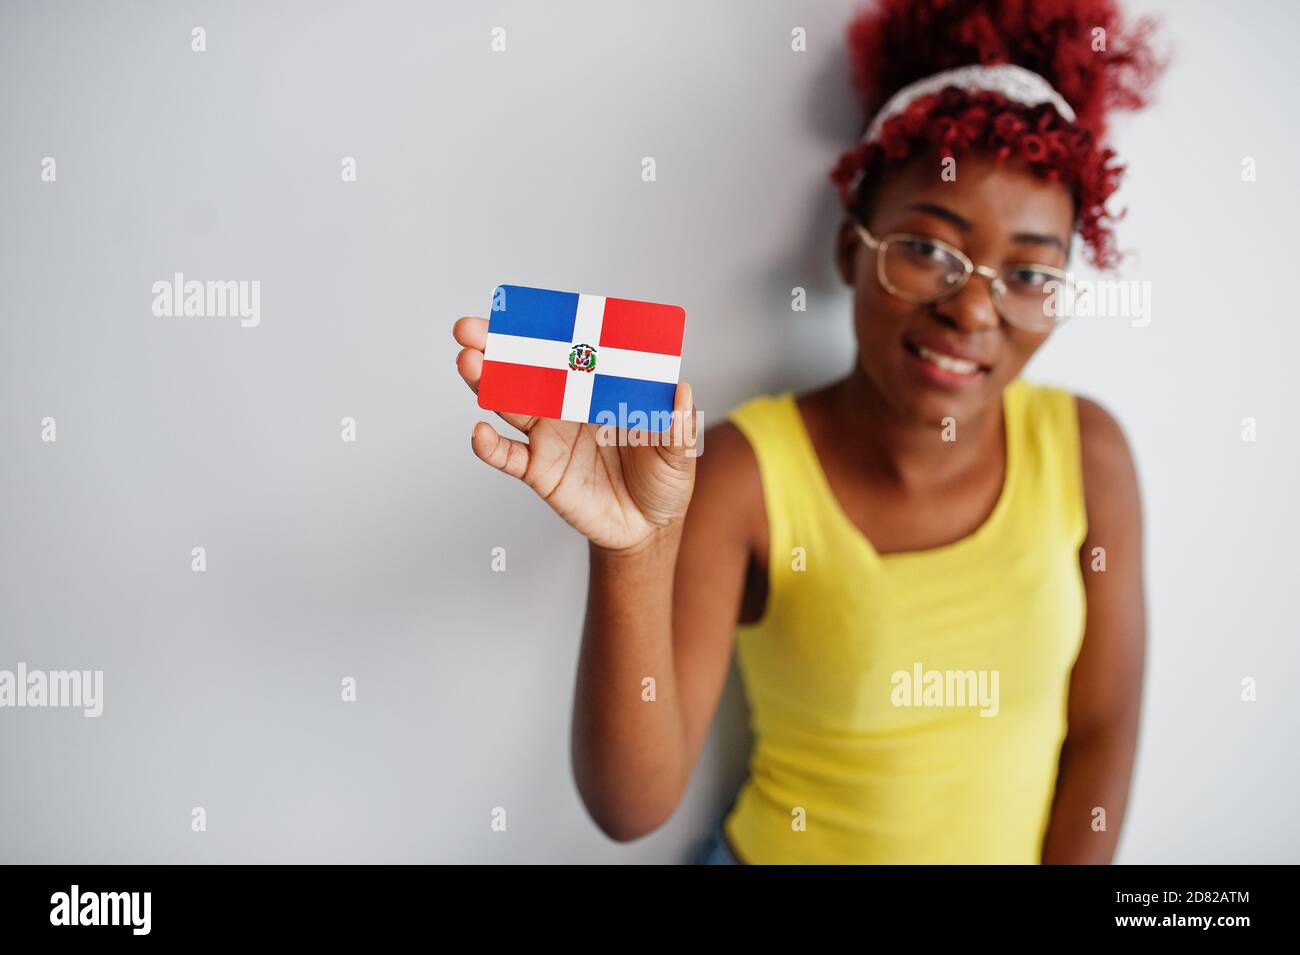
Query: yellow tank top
910,707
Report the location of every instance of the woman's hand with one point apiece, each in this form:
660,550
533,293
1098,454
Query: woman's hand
617,496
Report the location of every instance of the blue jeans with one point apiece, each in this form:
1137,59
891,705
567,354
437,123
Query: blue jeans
715,850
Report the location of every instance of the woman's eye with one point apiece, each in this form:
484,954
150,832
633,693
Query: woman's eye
1031,278
926,250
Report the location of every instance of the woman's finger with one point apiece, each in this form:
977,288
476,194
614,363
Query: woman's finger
469,362
504,454
470,331
683,433
684,405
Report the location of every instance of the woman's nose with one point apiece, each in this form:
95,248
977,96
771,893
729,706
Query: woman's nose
972,308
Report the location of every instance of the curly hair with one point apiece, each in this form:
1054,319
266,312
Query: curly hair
1082,47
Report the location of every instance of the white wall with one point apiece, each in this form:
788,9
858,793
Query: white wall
372,559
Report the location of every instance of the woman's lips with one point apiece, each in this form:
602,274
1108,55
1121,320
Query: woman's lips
941,367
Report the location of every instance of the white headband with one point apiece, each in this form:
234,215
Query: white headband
1014,82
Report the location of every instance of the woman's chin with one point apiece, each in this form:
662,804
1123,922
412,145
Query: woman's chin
938,407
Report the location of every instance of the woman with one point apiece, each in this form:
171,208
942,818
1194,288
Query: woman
930,570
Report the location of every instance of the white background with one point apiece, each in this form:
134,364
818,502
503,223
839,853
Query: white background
372,560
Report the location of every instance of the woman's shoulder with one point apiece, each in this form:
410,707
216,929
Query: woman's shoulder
751,449
735,443
1107,457
1056,408
1100,434
728,484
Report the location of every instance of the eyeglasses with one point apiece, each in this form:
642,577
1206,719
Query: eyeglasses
924,270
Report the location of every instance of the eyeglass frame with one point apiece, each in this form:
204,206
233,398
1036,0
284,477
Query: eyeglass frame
997,286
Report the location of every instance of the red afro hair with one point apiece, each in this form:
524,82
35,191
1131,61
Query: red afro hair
1082,47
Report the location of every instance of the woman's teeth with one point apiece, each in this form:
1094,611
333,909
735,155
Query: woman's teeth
960,365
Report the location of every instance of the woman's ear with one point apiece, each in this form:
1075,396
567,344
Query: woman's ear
847,244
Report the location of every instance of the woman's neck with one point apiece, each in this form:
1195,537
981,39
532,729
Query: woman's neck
897,447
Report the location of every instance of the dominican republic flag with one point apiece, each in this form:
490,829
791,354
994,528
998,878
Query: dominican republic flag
581,357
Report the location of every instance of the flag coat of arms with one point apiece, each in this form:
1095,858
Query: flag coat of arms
577,357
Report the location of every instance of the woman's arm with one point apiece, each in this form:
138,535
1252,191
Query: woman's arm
670,543
1106,684
665,611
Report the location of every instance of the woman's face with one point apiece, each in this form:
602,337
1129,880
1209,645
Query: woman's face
998,214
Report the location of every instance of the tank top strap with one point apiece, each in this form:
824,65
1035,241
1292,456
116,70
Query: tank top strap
767,425
1049,434
802,514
